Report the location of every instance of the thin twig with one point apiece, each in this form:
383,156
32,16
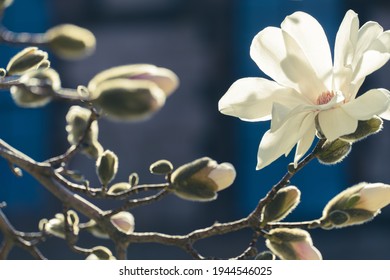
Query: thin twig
130,204
21,39
95,192
66,157
255,216
11,238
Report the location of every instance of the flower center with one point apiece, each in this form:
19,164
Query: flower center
325,97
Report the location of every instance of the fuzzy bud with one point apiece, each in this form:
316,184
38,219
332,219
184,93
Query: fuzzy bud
119,188
292,244
333,152
56,225
123,100
265,256
70,41
365,129
77,120
28,59
161,167
100,253
355,205
163,78
107,167
123,221
29,94
283,203
133,179
201,179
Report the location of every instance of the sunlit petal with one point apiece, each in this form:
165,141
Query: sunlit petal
311,38
373,102
336,122
279,142
252,99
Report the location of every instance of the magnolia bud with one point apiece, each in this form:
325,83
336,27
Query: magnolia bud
355,205
265,256
77,120
93,150
164,78
44,64
333,152
48,78
281,205
123,100
201,179
364,129
123,221
100,253
161,167
5,3
73,221
106,167
119,188
292,244
54,226
23,97
28,59
133,179
36,89
70,41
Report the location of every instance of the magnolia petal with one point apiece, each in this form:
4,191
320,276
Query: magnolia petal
336,122
367,34
306,251
373,102
384,39
374,197
299,70
279,142
346,39
386,114
311,38
268,50
251,99
305,143
371,61
373,52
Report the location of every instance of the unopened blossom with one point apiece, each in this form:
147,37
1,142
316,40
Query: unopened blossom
356,205
373,197
123,221
292,244
201,179
308,85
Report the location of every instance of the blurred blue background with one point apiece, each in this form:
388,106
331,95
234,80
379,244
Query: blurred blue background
206,42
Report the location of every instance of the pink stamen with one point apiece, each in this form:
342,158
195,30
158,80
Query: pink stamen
325,97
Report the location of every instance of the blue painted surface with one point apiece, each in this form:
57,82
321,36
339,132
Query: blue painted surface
318,183
26,129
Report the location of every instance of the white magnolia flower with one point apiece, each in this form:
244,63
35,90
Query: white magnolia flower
307,85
